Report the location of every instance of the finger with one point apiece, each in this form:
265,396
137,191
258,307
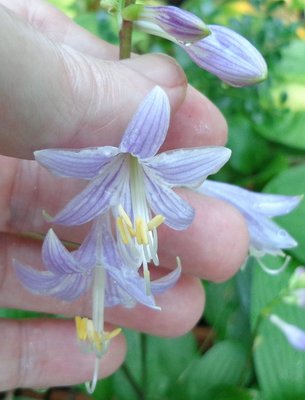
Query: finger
181,306
214,247
44,353
65,99
57,27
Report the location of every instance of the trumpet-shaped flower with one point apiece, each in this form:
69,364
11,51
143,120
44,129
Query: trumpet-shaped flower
294,335
266,237
95,264
135,181
69,274
169,22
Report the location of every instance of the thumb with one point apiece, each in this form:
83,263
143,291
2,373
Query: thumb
54,96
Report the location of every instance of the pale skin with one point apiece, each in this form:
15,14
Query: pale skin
62,87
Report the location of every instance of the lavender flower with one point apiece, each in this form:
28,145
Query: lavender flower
69,274
229,56
134,181
266,237
169,22
96,263
294,335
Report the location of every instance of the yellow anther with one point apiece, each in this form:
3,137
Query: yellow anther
125,216
112,334
81,327
141,231
86,332
155,222
123,230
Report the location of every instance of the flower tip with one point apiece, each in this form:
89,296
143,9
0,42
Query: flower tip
47,216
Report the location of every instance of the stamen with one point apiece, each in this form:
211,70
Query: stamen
123,230
155,222
125,216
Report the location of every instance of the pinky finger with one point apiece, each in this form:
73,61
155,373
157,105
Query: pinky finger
45,352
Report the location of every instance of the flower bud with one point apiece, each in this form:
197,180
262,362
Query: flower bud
297,280
169,22
229,56
294,335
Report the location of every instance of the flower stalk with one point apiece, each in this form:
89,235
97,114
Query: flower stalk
125,35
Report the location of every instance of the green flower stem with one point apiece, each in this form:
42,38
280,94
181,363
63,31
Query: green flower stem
125,35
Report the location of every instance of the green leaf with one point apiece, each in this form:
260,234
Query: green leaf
280,368
286,128
249,151
224,364
291,66
166,360
292,182
226,309
232,393
19,314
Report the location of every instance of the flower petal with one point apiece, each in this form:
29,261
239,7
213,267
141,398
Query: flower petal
229,56
57,258
96,198
83,163
265,235
46,283
188,167
165,283
148,128
163,200
169,22
269,205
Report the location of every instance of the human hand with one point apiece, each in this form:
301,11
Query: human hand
62,87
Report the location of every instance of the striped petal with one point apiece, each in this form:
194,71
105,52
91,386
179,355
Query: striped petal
165,283
148,128
96,198
57,258
163,200
229,56
188,167
83,163
265,235
269,205
66,287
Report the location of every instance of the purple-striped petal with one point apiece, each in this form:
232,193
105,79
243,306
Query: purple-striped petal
265,235
229,56
57,258
269,205
165,283
64,286
148,128
83,163
188,167
163,200
169,22
96,198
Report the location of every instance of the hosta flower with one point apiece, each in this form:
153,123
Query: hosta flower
294,335
219,50
266,237
96,264
169,22
135,181
229,56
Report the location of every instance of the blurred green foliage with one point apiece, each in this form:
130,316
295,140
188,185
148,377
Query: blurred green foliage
267,137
